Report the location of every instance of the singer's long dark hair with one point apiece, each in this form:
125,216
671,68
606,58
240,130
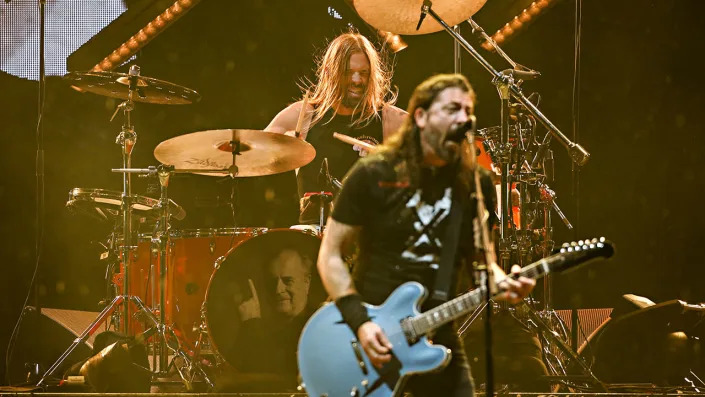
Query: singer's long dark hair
404,147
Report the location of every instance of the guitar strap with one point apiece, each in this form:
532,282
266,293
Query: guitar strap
448,252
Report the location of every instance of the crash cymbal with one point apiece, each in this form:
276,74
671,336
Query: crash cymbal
261,153
116,85
402,16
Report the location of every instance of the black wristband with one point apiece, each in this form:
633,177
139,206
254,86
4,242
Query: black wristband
353,312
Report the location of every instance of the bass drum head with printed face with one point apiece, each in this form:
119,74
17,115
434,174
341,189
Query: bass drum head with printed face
260,297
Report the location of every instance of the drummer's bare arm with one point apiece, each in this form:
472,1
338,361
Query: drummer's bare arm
394,117
286,119
331,266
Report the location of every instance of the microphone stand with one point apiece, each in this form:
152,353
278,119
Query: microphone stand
504,81
489,280
508,87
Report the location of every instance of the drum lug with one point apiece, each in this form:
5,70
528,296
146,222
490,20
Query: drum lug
211,246
218,262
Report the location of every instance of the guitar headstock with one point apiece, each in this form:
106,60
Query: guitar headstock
581,251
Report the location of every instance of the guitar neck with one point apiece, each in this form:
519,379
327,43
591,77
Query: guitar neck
426,322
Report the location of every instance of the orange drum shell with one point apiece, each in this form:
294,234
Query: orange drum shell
191,256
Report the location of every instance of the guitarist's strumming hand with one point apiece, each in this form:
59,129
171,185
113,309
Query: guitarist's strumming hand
375,343
516,288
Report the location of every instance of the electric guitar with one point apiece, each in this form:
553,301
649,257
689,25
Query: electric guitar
333,363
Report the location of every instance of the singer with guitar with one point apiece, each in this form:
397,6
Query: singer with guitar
400,204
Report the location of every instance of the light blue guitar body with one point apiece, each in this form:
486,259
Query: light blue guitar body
329,354
333,363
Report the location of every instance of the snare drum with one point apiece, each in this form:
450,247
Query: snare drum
259,298
105,205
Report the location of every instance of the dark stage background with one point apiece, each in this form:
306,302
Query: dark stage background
641,105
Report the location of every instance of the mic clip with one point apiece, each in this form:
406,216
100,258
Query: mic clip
425,7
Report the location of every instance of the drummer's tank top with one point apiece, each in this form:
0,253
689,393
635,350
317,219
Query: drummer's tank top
341,156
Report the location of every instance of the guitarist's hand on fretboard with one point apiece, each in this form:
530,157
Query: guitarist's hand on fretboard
514,287
375,343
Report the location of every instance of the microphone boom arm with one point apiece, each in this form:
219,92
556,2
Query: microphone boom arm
577,153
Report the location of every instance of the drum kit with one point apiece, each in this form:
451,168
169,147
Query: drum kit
176,288
183,288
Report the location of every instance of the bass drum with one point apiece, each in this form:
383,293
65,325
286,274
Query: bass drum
191,256
259,299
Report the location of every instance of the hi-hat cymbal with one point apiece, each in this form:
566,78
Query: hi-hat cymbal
402,16
261,153
116,85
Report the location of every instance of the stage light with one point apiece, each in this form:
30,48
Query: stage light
519,22
145,35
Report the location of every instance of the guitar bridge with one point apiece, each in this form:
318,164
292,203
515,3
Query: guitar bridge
357,349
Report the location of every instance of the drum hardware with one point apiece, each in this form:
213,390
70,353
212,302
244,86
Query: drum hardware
132,88
322,199
327,183
186,367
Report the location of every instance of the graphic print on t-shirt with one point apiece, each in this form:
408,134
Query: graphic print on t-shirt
367,139
424,246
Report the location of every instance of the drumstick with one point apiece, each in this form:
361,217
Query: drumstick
300,121
353,141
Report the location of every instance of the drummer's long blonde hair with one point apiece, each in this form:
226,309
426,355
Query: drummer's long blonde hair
327,92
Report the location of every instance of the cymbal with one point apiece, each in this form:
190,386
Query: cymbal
402,16
261,153
116,85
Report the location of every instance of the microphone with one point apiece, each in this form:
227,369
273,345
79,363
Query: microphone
424,10
459,133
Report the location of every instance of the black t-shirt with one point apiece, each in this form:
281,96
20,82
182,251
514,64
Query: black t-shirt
403,228
341,156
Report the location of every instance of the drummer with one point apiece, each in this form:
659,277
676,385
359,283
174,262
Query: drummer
352,95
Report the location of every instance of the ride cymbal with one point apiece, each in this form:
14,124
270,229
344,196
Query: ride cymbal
260,153
402,16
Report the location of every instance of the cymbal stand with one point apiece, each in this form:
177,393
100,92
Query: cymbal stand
167,340
160,240
546,323
126,139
